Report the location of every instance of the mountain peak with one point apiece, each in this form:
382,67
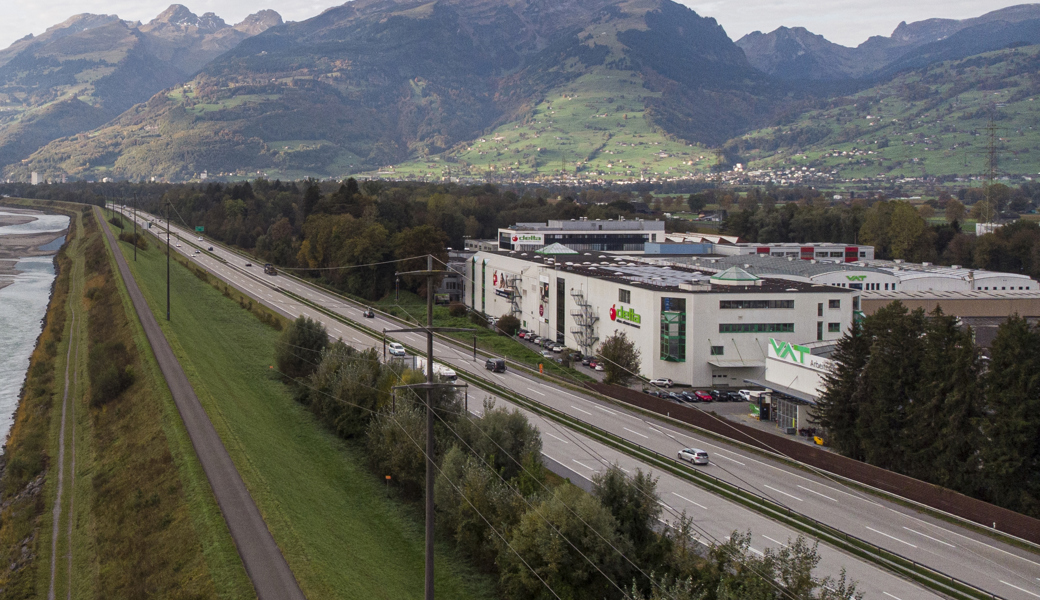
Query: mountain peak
259,22
178,15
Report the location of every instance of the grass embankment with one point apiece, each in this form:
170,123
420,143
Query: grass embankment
142,526
339,533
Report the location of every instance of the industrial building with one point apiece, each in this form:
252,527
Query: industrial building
693,326
726,245
582,235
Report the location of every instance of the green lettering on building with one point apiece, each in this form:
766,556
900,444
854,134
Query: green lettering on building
856,277
789,351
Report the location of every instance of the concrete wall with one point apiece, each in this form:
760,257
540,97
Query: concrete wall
963,307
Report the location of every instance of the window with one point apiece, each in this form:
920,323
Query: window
833,327
862,254
745,304
819,330
717,350
673,329
819,309
834,304
625,296
756,327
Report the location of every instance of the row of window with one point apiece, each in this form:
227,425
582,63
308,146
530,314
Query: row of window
756,327
746,304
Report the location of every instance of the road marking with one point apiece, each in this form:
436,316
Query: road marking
891,596
817,493
569,394
929,537
775,541
580,410
656,430
536,391
892,537
558,438
690,501
730,459
784,493
1020,589
596,406
635,432
583,464
755,551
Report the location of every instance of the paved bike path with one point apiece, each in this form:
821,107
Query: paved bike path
264,563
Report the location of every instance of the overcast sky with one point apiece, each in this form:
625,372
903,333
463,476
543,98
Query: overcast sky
847,22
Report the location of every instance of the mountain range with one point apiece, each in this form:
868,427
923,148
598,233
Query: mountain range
486,88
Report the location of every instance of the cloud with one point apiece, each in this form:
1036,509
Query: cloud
847,22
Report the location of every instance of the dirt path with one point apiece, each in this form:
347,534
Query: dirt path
272,579
56,511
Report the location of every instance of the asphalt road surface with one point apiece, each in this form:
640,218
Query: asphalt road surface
263,561
999,568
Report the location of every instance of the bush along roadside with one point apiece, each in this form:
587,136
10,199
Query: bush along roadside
27,453
539,536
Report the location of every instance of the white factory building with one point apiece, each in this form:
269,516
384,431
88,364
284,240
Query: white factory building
866,275
582,235
690,325
727,245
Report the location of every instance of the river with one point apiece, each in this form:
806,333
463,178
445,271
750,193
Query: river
26,279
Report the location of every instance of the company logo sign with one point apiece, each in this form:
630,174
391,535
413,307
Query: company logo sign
856,277
528,238
799,355
541,310
626,316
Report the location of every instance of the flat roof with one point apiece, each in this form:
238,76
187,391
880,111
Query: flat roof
630,271
764,265
952,295
905,270
605,225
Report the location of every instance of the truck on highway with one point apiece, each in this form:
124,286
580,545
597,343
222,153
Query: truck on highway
269,269
442,372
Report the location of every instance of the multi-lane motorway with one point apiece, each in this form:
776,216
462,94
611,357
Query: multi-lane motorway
999,568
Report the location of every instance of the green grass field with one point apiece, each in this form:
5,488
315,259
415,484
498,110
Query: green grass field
340,534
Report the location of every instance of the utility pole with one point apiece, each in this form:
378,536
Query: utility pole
167,260
429,386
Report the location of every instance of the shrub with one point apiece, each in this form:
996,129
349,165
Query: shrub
508,325
116,221
300,346
110,372
457,309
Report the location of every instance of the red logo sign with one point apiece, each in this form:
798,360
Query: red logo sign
515,238
541,310
494,278
613,313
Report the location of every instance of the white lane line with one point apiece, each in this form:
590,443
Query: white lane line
536,391
929,537
569,394
891,596
779,543
557,438
755,551
598,407
817,493
690,501
580,410
583,464
1020,589
655,430
730,459
891,537
636,432
784,493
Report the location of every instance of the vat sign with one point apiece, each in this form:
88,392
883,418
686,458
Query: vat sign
856,277
528,238
799,355
625,316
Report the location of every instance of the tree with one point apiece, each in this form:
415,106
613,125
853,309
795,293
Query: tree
621,359
300,346
633,501
836,410
508,325
571,541
955,211
1010,447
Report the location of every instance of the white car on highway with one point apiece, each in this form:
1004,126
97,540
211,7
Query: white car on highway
396,349
694,455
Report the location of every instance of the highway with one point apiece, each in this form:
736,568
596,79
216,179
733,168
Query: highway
999,568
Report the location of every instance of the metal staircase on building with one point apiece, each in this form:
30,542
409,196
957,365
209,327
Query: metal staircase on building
585,319
513,284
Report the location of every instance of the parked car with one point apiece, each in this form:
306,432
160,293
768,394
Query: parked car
535,340
663,382
586,361
495,365
673,396
688,397
396,349
654,393
598,367
745,395
702,396
557,348
547,354
694,455
520,334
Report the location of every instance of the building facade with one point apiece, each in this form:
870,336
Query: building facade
691,326
582,235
